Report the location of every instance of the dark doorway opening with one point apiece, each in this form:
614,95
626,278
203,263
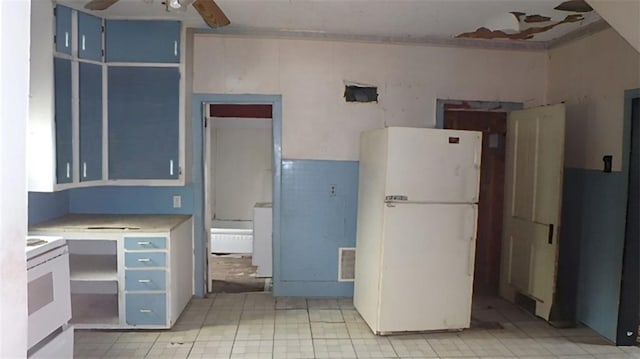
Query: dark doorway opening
493,126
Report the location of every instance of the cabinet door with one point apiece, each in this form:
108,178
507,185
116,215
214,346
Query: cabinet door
143,122
89,37
90,122
63,29
142,41
64,149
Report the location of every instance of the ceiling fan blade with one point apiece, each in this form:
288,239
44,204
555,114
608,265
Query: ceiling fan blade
99,4
211,13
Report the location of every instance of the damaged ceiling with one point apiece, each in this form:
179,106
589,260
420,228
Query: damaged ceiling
520,23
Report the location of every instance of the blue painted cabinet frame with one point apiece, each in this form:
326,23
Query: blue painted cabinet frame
143,122
63,121
89,37
90,82
63,29
142,41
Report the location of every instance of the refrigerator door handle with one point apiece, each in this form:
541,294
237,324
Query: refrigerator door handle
471,257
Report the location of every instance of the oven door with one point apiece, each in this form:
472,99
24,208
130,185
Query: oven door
48,293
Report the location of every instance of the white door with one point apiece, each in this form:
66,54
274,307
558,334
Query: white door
429,165
427,267
533,195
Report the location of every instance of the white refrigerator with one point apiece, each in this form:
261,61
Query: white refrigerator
416,231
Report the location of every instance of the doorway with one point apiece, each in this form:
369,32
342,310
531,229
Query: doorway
629,306
238,174
493,126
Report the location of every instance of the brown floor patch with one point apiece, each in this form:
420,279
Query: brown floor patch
233,274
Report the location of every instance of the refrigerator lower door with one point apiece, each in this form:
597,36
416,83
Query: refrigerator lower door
427,267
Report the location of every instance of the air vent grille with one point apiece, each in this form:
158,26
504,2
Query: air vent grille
346,264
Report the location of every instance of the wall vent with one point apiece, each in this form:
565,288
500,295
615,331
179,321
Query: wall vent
346,264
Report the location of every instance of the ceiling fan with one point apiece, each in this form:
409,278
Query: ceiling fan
208,9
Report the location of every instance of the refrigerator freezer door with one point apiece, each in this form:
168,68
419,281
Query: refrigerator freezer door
427,267
428,165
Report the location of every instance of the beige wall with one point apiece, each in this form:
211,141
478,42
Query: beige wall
310,75
590,75
242,163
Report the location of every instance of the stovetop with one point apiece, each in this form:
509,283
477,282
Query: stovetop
37,245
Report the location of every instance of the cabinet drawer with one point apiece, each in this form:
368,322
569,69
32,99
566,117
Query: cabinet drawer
146,309
145,259
135,243
145,280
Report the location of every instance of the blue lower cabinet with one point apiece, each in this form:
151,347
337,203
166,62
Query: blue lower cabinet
145,280
146,309
145,259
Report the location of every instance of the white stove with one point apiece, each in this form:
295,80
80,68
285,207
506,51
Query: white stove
49,298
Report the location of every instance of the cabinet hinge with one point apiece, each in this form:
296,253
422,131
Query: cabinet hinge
102,27
54,39
204,121
54,11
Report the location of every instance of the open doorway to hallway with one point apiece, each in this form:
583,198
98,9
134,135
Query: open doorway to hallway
238,185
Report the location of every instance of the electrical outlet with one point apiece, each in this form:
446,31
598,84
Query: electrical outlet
177,201
332,190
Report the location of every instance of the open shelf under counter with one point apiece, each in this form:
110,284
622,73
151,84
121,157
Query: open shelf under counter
102,267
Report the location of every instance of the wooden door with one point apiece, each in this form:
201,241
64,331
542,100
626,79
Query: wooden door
493,125
533,195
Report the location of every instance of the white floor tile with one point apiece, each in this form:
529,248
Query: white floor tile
291,303
128,350
292,331
333,348
293,349
374,348
329,331
218,349
138,337
323,303
326,315
218,332
447,345
412,346
252,349
170,350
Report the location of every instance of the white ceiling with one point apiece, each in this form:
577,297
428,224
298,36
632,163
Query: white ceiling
383,20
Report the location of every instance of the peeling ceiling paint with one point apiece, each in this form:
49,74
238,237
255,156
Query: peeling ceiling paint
528,32
484,33
574,6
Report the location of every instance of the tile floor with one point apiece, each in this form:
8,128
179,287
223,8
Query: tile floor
256,325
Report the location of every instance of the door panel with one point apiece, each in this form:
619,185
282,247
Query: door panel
533,194
90,82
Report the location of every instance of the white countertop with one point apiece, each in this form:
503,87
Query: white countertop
110,223
49,243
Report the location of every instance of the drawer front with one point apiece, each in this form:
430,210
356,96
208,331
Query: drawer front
144,259
145,280
141,243
146,309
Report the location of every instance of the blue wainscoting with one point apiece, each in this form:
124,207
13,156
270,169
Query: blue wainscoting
44,206
318,216
594,216
130,200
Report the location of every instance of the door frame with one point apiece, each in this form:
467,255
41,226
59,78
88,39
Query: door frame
473,106
202,227
629,304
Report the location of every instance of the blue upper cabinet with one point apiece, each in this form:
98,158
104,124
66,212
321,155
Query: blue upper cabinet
143,122
89,37
64,145
90,82
142,41
63,29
